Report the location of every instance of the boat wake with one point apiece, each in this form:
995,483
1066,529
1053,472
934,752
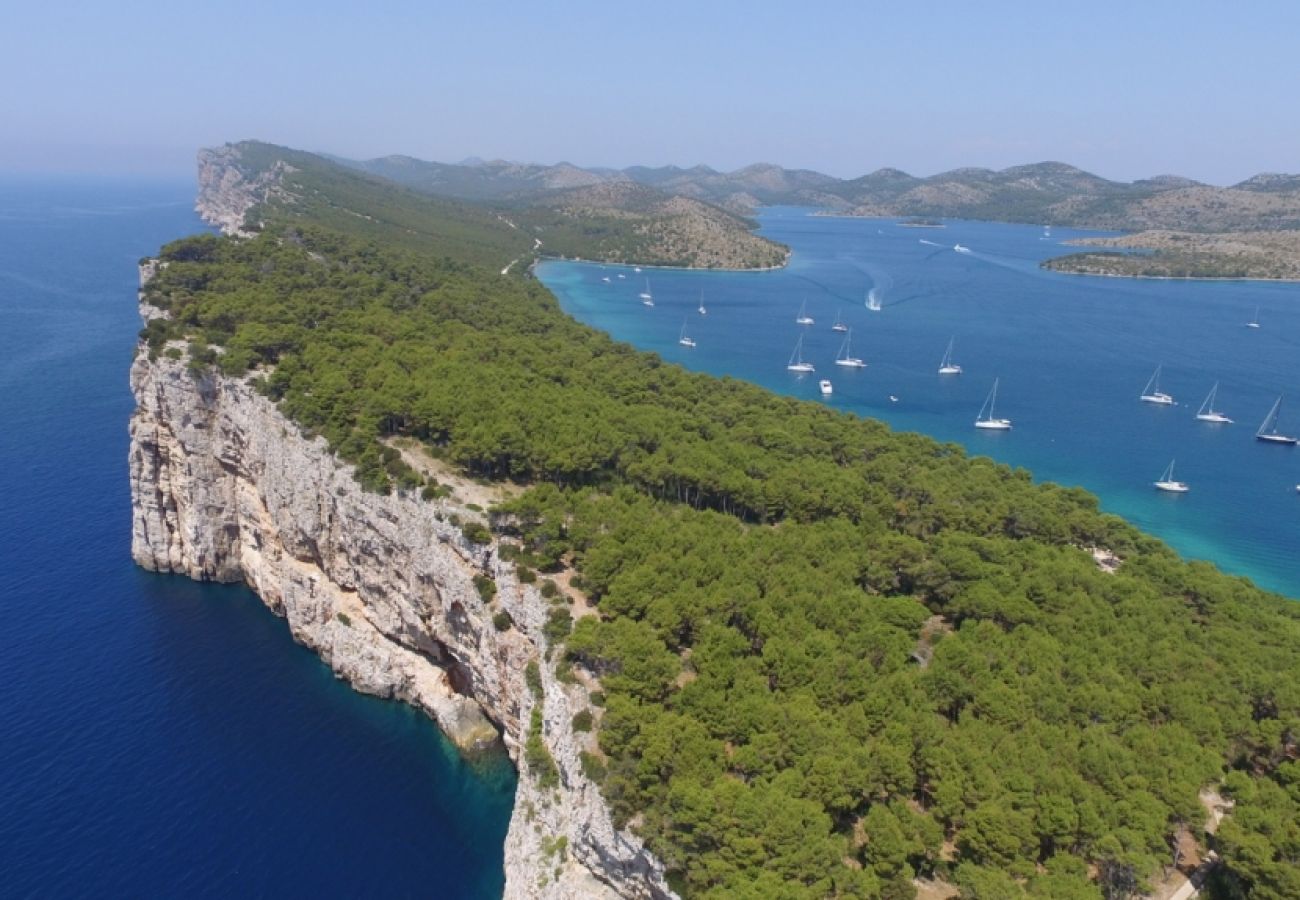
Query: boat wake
930,243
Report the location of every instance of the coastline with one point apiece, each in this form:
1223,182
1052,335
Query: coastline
1210,278
541,258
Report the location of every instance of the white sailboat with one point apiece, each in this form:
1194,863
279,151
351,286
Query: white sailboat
702,310
1167,482
844,359
826,387
646,297
839,325
1207,412
1254,322
1152,393
796,363
946,365
1268,432
684,339
990,421
803,318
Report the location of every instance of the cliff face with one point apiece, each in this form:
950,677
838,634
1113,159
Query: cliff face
227,192
224,488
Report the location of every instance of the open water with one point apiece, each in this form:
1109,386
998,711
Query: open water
1073,353
159,737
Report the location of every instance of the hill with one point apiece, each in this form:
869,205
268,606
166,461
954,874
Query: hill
822,658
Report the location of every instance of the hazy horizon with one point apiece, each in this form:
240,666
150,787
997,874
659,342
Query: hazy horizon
1123,91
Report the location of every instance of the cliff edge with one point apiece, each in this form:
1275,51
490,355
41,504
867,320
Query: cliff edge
225,488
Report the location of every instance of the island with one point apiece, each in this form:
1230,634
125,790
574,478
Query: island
737,644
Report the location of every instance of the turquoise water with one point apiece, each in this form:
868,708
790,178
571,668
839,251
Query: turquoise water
160,737
1073,354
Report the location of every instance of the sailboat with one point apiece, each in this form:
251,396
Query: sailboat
1152,393
844,359
1167,482
1254,322
839,325
803,318
703,311
1268,428
683,338
990,421
646,297
796,363
946,365
1207,412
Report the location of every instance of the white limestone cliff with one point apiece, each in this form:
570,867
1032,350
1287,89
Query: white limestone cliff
225,488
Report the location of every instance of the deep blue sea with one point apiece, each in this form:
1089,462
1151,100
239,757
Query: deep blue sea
159,737
1072,354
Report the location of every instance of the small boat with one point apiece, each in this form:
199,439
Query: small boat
1047,231
839,326
1207,412
893,399
1167,482
1152,393
1268,432
990,421
796,363
646,297
605,279
946,365
702,310
621,275
684,339
803,318
960,249
825,386
636,269
844,359
1254,323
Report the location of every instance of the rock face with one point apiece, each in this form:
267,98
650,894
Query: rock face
227,192
224,488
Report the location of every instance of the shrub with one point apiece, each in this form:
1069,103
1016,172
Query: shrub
487,588
502,621
582,720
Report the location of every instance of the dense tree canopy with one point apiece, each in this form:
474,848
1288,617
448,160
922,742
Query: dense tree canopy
834,657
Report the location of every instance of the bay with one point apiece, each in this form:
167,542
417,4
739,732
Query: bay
1072,354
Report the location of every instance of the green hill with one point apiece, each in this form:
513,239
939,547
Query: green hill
832,657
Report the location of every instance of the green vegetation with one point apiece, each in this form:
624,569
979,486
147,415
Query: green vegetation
1176,264
832,656
536,756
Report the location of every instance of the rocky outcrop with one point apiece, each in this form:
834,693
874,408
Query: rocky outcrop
227,190
224,488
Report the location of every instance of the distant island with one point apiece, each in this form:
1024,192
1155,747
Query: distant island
1186,228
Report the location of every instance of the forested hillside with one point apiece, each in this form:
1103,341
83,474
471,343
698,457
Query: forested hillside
831,657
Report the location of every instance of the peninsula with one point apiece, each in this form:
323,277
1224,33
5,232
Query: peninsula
737,644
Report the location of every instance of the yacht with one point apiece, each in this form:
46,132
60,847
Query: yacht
702,310
839,325
1268,432
1207,412
990,421
796,363
844,359
803,318
646,297
1254,323
825,386
946,365
684,339
960,249
1152,393
1167,482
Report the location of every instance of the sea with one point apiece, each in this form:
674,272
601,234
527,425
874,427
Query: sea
161,737
1071,355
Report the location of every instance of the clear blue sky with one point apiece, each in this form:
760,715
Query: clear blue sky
1125,89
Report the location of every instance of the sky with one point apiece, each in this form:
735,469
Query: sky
1127,90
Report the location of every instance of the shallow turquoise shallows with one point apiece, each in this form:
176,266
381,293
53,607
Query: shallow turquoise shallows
1072,353
159,737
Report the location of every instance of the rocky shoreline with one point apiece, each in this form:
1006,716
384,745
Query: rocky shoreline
225,488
